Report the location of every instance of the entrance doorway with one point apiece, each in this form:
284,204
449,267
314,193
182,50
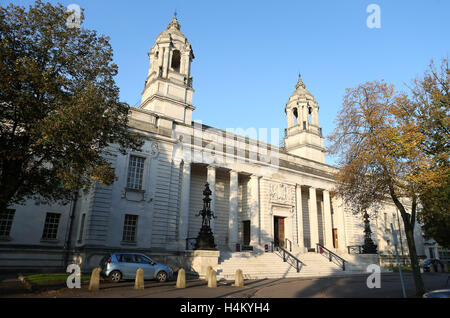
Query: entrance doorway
335,238
278,231
246,233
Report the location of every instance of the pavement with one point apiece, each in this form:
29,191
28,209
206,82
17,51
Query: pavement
323,287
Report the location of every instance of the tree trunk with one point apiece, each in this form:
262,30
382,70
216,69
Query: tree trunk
409,230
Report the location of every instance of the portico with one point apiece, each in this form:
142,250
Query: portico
253,210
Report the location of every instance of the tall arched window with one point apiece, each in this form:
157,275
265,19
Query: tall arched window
176,61
309,114
295,112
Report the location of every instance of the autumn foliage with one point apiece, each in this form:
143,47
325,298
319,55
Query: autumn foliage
394,146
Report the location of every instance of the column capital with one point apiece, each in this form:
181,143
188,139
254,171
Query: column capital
186,166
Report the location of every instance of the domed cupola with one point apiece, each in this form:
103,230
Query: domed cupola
303,134
168,88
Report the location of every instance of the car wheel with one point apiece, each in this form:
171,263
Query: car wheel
115,276
162,277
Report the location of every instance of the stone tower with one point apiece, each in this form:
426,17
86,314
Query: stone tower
168,88
303,136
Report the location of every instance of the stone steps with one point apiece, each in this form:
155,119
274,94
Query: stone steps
271,265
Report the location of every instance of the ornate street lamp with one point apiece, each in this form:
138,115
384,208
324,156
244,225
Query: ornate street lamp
205,238
369,247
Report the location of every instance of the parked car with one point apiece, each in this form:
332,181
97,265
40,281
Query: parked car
118,266
432,262
440,293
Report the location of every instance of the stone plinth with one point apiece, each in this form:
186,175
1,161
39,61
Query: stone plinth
359,262
201,259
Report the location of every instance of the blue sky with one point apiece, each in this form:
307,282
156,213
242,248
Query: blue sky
248,53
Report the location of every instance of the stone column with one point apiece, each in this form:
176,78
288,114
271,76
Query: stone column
328,222
211,179
436,251
315,116
298,192
255,223
233,212
313,222
188,65
305,116
290,118
337,219
166,60
340,216
183,224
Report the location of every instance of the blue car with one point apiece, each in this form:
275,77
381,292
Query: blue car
118,266
432,262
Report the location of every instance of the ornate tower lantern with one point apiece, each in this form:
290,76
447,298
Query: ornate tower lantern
205,238
369,247
303,134
168,87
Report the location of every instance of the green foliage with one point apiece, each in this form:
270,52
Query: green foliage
435,215
60,108
432,103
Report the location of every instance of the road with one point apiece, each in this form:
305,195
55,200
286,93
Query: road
330,287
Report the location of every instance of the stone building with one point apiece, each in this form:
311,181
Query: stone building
261,193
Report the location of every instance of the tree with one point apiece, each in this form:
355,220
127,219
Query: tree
430,96
381,156
60,107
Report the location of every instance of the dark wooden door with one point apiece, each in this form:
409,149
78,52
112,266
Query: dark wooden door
246,232
279,231
335,238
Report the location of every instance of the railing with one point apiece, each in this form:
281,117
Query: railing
339,261
288,257
354,249
190,243
288,244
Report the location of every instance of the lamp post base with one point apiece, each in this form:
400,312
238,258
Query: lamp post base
205,240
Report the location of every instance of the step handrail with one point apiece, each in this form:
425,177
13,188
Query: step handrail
287,243
288,256
332,257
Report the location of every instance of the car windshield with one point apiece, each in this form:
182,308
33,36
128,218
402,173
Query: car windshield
143,259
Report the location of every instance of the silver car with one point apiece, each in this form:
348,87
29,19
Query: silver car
118,266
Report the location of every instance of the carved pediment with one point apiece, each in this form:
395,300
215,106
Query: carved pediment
282,193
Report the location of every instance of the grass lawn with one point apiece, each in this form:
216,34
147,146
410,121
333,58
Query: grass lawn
45,279
395,268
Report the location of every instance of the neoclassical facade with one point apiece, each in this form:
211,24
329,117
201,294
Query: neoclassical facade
262,194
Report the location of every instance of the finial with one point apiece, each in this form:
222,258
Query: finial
300,82
174,23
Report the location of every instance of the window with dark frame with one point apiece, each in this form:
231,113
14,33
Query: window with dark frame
135,172
130,228
6,220
80,233
51,226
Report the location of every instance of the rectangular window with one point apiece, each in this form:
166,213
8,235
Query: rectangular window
394,223
130,228
51,226
135,172
6,219
80,233
386,227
